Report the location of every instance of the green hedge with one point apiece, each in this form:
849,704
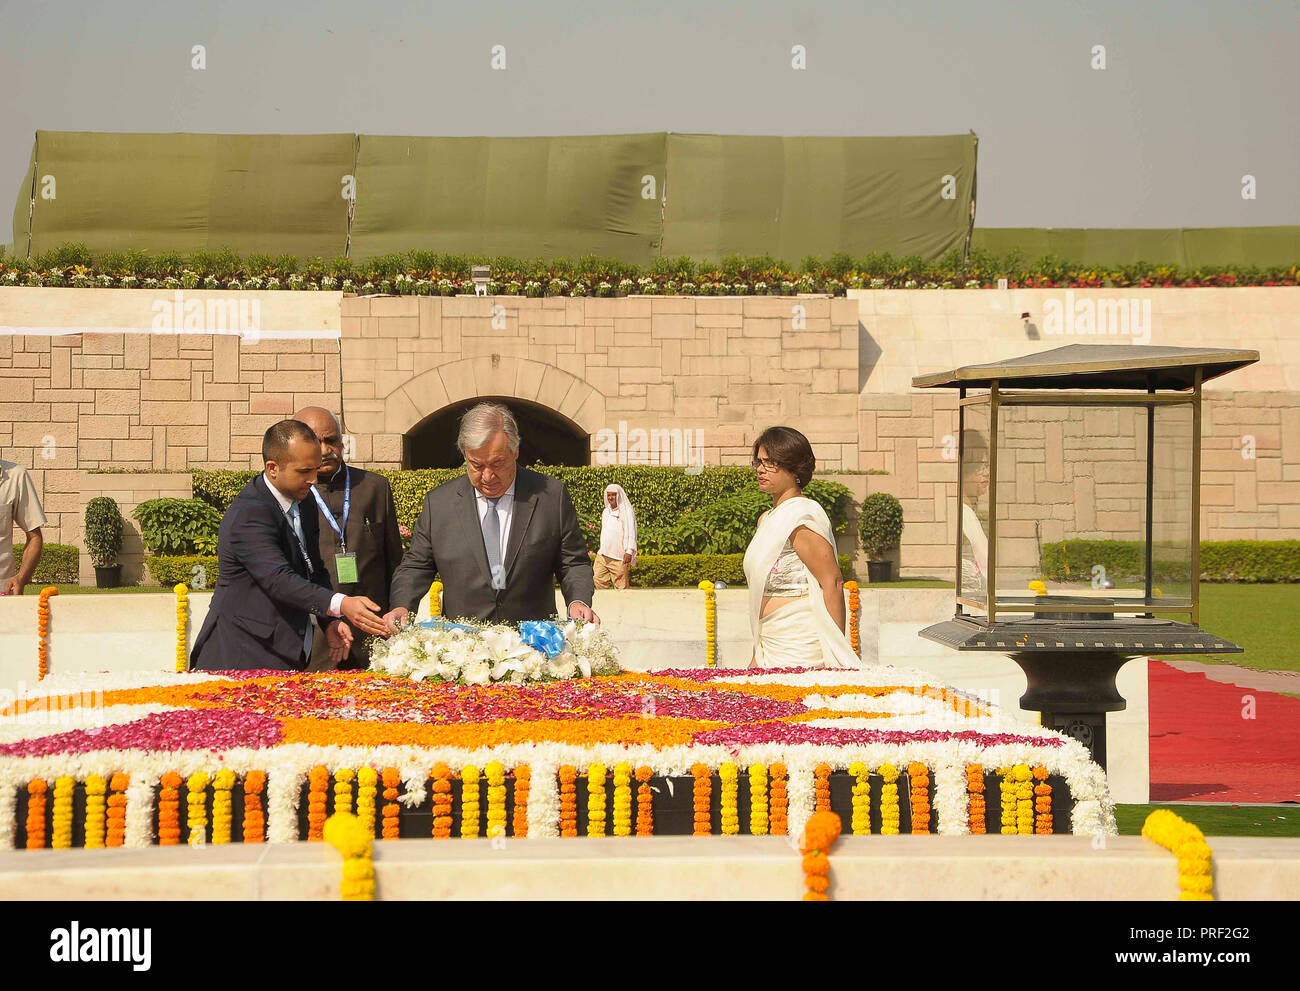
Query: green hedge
1221,561
171,569
663,497
58,564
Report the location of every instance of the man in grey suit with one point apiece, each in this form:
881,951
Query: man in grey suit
495,536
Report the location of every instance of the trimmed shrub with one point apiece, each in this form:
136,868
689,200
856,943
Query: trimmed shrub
172,569
688,570
178,526
880,524
1250,560
1221,561
59,564
103,531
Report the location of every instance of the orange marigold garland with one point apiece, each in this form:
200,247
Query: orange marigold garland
391,779
1042,803
918,776
778,801
115,816
523,777
822,787
855,610
568,800
977,808
645,822
96,787
441,801
818,835
169,810
318,784
700,794
36,789
43,628
254,814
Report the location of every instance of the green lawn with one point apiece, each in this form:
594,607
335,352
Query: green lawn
1265,619
35,589
1218,820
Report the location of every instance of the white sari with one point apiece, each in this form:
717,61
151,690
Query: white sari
800,633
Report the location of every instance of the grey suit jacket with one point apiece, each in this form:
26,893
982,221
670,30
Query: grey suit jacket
544,541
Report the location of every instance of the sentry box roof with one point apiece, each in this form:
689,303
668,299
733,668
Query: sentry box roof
1096,366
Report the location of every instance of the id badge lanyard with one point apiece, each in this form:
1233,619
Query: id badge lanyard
347,504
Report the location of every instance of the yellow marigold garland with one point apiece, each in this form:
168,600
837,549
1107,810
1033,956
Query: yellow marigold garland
645,822
728,776
196,809
568,800
318,781
918,776
343,789
495,773
182,626
758,800
1007,792
391,779
889,816
254,813
115,828
622,799
855,609
822,787
778,801
818,836
96,820
61,826
700,793
345,833
1024,799
469,800
36,789
435,599
43,629
367,790
222,801
1042,803
710,623
596,800
977,810
1187,843
861,798
523,780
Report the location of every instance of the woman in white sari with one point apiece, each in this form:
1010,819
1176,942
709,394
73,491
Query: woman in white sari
796,591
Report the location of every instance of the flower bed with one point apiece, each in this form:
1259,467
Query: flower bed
247,756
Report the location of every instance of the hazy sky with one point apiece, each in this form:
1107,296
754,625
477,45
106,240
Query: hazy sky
1194,96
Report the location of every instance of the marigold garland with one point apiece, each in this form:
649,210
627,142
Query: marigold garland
96,789
1007,793
889,814
523,778
318,783
977,810
596,800
758,823
568,800
918,776
822,787
254,813
645,822
727,775
819,834
469,800
115,816
36,789
495,773
61,826
367,789
348,836
196,811
1042,803
43,629
1024,799
855,609
343,789
441,802
710,623
222,800
700,793
169,810
861,798
778,801
622,799
1187,843
435,599
391,779
182,627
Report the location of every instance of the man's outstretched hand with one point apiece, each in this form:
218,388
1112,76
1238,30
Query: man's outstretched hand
363,614
585,613
339,637
394,618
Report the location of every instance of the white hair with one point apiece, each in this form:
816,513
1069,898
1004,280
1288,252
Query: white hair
479,424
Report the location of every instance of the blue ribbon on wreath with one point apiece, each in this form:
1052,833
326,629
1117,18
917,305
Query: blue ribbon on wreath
438,623
542,636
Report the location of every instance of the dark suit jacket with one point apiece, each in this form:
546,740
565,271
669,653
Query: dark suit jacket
372,535
543,542
264,596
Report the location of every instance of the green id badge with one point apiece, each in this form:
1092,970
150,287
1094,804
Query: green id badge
347,568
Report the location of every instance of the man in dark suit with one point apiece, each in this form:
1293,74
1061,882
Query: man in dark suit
272,582
359,540
496,536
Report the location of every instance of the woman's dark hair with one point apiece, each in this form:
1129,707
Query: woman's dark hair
790,450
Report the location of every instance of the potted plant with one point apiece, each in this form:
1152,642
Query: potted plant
103,540
881,527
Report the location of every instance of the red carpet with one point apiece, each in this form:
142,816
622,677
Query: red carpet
1203,750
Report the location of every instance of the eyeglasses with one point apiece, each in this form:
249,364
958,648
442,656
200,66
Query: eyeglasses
767,464
497,466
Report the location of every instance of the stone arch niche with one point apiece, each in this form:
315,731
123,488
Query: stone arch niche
557,411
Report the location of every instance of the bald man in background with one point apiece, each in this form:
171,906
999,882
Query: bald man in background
359,539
